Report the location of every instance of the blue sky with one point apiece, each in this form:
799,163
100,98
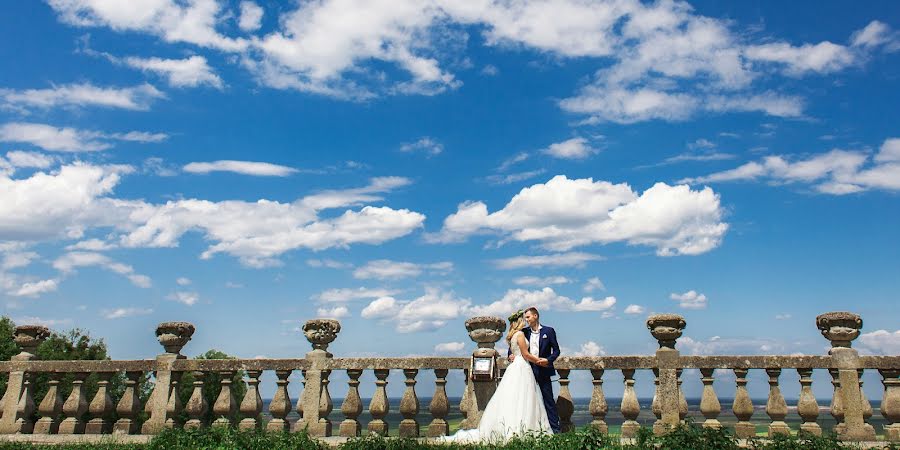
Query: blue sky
405,165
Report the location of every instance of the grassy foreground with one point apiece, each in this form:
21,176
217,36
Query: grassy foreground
686,437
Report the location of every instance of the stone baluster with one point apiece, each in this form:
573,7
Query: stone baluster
465,400
807,406
841,328
74,407
196,406
319,333
302,391
439,406
325,405
598,406
129,405
280,405
630,407
890,403
658,427
682,400
666,329
174,406
225,405
50,407
484,331
709,401
378,407
776,407
868,412
409,406
352,406
251,405
742,406
565,406
101,407
837,402
164,403
18,404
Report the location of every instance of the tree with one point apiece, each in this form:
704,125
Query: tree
211,387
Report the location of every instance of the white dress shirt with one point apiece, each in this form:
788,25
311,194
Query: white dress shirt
534,341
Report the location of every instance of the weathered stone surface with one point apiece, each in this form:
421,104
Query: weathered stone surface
321,332
630,407
709,401
807,406
352,406
666,328
439,406
598,406
174,335
29,337
252,404
839,327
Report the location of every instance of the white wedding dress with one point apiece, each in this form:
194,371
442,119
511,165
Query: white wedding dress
516,407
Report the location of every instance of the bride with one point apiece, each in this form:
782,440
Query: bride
516,406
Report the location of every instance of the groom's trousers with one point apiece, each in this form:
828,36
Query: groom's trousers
549,402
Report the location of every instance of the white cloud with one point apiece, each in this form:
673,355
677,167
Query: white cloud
385,269
590,348
35,288
67,139
589,304
690,300
333,313
881,342
876,34
512,178
634,309
187,298
18,158
824,57
450,347
68,262
425,145
542,299
251,16
183,281
570,259
242,167
380,307
782,316
426,313
593,284
32,320
541,281
717,345
575,148
94,245
192,71
136,98
329,263
562,214
348,294
119,313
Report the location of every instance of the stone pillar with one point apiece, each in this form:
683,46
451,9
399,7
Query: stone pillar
325,405
630,407
709,402
598,406
465,401
352,406
172,336
251,405
667,328
50,408
807,406
280,405
841,328
837,402
485,331
319,333
890,403
409,406
565,405
225,405
439,406
18,405
101,407
776,407
196,406
742,407
74,407
379,406
129,405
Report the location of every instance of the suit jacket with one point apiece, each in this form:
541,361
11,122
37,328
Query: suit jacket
547,348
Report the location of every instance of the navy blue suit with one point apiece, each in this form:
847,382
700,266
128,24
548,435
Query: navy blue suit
547,348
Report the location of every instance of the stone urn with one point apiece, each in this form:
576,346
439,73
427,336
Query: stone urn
666,328
29,337
321,332
174,335
485,331
839,327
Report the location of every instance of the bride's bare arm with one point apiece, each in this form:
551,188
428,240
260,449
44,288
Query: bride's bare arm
523,347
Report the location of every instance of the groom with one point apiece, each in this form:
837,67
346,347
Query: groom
542,343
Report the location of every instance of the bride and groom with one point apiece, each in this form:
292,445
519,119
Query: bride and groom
523,402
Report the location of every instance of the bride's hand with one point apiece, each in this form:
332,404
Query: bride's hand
543,362
512,357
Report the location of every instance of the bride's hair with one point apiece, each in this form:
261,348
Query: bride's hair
516,323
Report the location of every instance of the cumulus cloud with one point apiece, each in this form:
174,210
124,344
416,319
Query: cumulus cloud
192,71
590,348
385,269
35,288
67,139
425,313
593,284
562,214
718,345
262,169
575,148
541,281
881,342
251,16
348,294
119,313
569,259
137,98
450,347
690,300
33,320
424,145
542,299
71,261
634,309
837,172
333,313
184,297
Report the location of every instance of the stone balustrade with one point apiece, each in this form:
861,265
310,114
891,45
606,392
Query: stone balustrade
102,414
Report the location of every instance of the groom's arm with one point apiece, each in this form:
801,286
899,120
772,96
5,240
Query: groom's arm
554,347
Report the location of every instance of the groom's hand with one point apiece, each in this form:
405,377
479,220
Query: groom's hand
543,362
512,357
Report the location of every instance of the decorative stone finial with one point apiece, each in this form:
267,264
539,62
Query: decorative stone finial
321,332
486,330
666,328
839,327
28,337
174,335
